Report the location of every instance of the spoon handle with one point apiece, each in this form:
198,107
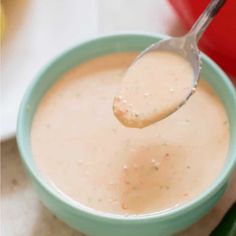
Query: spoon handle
206,17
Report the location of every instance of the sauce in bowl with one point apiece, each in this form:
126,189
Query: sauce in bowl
86,154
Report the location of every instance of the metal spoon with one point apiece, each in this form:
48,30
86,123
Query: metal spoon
186,46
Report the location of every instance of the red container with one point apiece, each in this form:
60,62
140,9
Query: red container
219,40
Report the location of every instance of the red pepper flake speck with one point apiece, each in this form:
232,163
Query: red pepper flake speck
123,206
167,156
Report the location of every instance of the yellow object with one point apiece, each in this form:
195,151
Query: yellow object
2,22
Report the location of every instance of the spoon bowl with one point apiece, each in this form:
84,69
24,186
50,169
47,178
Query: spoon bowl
187,48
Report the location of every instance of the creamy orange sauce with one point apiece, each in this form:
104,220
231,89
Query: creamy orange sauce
152,88
88,155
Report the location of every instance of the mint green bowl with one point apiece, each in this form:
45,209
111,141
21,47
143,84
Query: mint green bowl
96,223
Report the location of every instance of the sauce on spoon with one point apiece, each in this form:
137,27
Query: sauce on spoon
152,88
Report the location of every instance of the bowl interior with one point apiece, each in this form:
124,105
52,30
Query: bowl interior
106,45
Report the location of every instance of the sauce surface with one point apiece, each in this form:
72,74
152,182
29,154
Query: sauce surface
88,155
153,87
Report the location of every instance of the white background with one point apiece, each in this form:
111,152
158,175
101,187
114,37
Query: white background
38,30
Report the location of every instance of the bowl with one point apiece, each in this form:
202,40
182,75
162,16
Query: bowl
90,221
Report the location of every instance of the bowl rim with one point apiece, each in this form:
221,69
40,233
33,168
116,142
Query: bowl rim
95,214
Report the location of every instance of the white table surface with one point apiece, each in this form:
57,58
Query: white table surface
37,30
